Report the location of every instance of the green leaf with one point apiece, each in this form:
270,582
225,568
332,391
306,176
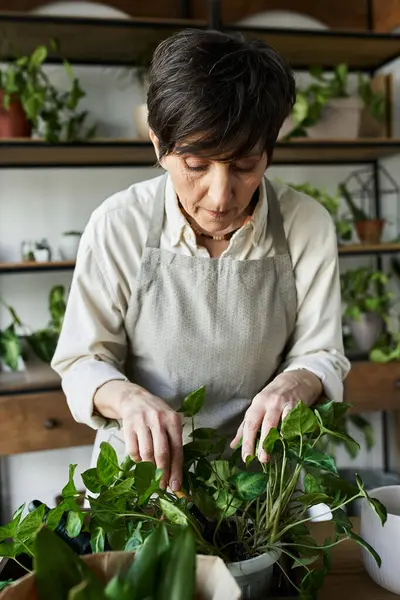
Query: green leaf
179,573
135,540
4,584
197,449
91,480
8,531
141,573
121,490
10,348
58,568
152,489
8,550
341,521
117,539
118,589
361,542
38,57
205,502
204,433
312,499
97,539
84,591
173,513
30,526
313,485
318,460
74,523
299,421
270,440
193,403
107,464
221,469
69,70
227,503
144,474
70,489
332,413
366,429
54,515
304,561
249,485
374,503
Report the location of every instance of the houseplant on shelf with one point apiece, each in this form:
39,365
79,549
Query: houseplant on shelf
369,230
367,303
250,518
44,341
31,103
344,228
10,345
70,244
325,108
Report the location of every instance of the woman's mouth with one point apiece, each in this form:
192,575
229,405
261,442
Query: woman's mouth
217,214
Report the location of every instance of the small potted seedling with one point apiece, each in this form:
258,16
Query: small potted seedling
369,230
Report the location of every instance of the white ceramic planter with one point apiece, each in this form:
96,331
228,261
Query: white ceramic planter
340,119
140,114
254,575
385,540
69,246
367,330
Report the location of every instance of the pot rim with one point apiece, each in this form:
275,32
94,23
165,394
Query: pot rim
273,553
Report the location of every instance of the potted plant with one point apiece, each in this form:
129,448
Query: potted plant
163,569
10,344
369,230
251,518
44,341
70,244
30,102
331,203
367,304
325,109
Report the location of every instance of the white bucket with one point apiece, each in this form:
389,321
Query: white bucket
254,575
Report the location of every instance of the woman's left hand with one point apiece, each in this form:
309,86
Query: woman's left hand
272,404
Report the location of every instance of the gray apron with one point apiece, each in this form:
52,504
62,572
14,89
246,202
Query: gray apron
222,323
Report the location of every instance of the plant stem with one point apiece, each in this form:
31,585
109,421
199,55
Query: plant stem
316,547
22,566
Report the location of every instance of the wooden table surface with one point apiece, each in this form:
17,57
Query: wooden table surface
348,579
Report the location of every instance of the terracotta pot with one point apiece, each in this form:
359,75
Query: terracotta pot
13,122
370,232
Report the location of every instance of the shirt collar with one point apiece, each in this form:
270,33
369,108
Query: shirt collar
177,222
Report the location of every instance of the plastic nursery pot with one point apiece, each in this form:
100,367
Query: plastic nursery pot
13,122
370,232
254,576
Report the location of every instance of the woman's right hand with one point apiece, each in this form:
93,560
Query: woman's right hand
152,432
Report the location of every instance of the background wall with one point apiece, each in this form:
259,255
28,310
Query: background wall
43,203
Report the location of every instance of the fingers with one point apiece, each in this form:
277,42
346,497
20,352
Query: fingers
175,443
252,423
271,419
145,439
238,436
162,454
132,446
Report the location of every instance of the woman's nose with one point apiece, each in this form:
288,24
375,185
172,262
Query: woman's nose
220,191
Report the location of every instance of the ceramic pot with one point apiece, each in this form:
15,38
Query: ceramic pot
340,119
254,575
367,330
69,246
369,232
13,122
384,539
140,114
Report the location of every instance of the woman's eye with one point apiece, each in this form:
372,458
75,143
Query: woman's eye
244,169
196,167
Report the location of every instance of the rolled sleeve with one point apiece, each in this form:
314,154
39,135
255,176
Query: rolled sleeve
92,346
317,343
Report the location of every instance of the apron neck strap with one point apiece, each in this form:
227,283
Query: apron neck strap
274,218
275,221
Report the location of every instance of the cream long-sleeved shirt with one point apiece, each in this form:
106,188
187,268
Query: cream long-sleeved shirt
93,344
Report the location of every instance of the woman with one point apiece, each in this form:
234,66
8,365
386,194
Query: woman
210,275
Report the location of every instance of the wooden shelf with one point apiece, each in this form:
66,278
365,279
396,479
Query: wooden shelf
327,48
356,249
120,41
87,40
25,153
28,267
38,376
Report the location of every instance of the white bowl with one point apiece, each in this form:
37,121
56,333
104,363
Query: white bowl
385,540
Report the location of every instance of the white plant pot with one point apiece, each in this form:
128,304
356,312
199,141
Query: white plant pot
340,119
140,114
20,366
384,539
367,330
69,246
254,575
41,255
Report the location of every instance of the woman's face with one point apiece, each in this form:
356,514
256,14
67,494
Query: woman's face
215,194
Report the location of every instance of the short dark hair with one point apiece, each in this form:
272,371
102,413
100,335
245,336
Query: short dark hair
217,95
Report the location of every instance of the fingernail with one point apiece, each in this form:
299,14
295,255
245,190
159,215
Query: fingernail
163,484
176,486
244,456
263,457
